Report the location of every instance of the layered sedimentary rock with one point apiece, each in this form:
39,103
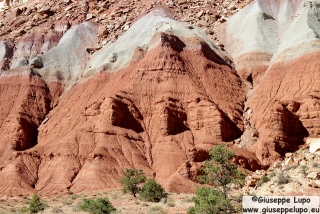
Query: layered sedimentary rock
76,111
276,52
156,102
25,101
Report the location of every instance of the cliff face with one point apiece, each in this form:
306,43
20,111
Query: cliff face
78,109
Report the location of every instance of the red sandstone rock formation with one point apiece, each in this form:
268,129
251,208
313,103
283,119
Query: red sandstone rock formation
164,108
78,108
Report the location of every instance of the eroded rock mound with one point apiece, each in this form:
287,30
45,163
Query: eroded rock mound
157,112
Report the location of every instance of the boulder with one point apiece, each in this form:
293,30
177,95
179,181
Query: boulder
36,62
313,175
314,144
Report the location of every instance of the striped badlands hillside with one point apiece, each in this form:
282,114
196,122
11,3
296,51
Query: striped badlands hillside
89,88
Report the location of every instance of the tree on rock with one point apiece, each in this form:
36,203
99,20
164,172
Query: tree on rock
131,180
219,171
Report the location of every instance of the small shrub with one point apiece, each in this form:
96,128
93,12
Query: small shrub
67,202
24,210
114,196
283,179
74,196
152,191
36,204
98,206
157,210
56,210
76,208
316,165
304,169
171,204
272,174
264,179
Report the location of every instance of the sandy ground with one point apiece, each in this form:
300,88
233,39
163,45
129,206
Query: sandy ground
124,203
